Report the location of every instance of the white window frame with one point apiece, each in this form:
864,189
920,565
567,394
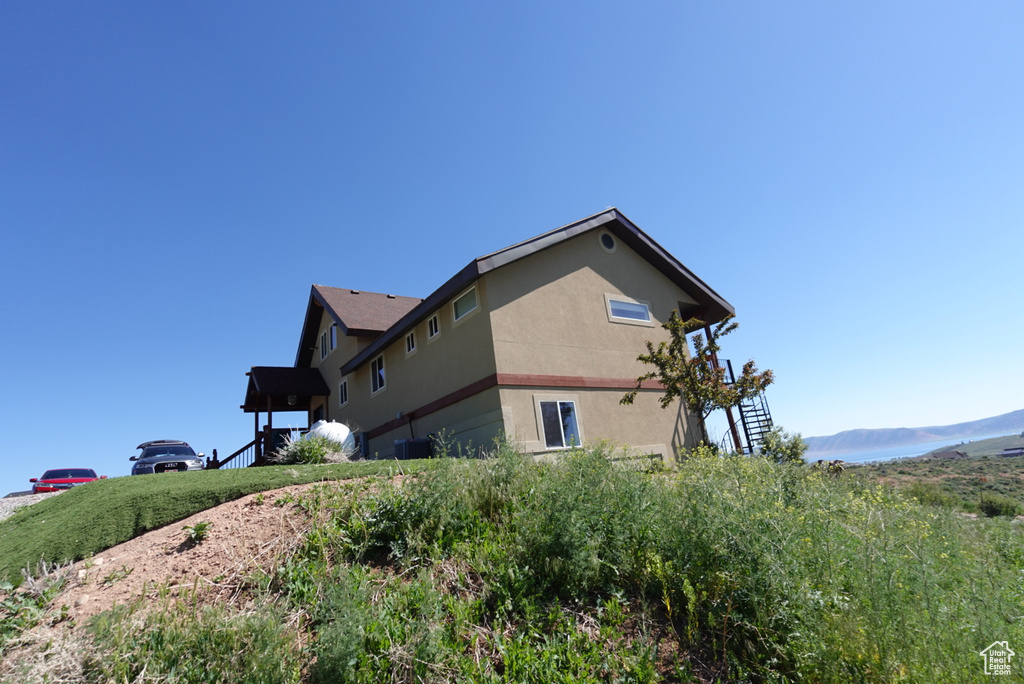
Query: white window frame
410,343
378,372
456,318
612,318
433,328
343,392
328,341
558,400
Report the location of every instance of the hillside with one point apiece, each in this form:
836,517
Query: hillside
510,570
869,439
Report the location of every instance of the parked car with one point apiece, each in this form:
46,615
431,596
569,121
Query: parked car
63,478
166,456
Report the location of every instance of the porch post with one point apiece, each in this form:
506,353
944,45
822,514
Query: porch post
728,410
256,434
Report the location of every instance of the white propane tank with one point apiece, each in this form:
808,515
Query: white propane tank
334,431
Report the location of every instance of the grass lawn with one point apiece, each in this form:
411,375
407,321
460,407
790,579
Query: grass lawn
93,517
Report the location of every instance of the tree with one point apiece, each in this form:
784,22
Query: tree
781,447
698,378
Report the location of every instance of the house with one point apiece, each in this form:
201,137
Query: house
537,342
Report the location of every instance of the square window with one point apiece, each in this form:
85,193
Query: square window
433,328
377,374
343,392
561,429
410,342
464,304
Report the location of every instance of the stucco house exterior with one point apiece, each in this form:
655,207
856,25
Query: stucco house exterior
537,342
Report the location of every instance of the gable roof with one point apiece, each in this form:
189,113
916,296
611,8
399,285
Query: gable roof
711,307
357,313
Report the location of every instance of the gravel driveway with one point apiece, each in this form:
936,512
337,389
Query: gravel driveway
10,504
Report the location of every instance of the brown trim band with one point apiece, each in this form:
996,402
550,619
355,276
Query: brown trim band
510,380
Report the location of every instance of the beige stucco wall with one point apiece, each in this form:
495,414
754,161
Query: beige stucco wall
549,316
460,355
544,315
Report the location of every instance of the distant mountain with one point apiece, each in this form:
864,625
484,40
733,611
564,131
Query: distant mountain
867,440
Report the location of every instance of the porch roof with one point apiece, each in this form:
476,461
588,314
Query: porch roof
270,388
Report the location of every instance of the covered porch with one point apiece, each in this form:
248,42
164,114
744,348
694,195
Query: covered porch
270,390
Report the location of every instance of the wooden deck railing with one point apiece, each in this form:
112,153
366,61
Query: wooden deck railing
254,453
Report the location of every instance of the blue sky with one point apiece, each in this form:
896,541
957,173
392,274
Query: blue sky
175,176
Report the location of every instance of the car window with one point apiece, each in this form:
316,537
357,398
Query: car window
151,452
68,473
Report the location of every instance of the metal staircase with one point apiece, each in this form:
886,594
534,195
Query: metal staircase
756,419
754,415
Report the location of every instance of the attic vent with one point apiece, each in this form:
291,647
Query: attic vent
354,291
391,296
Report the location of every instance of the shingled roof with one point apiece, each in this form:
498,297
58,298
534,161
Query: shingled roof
358,313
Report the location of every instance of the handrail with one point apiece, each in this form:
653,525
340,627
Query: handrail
246,458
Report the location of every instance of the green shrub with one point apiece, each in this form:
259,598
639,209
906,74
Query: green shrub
188,645
931,494
995,504
781,447
311,450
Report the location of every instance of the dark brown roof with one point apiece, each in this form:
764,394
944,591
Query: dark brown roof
360,313
357,313
276,383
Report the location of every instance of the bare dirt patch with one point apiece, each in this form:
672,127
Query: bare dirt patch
244,536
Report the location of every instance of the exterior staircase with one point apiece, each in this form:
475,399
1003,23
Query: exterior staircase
754,415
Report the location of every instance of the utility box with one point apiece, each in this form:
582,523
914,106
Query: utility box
406,449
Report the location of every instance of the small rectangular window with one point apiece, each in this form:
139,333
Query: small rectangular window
343,392
328,340
433,329
377,374
464,304
631,310
410,342
560,427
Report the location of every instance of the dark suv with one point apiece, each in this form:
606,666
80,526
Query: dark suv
166,456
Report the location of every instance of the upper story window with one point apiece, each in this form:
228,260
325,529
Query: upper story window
622,310
328,340
433,327
377,374
465,304
410,343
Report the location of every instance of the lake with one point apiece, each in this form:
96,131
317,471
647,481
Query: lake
892,453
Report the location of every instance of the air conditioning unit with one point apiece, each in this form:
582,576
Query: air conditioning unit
412,448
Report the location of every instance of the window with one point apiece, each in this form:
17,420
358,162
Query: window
560,427
622,310
377,374
464,304
607,242
410,343
328,340
343,392
433,329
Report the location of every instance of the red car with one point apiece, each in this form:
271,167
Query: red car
63,478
